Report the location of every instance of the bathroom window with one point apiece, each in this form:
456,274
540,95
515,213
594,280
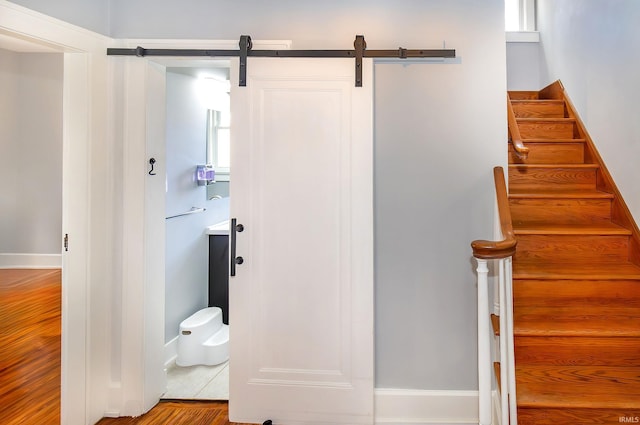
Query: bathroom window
219,143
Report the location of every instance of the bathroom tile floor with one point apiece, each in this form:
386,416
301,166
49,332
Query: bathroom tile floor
198,382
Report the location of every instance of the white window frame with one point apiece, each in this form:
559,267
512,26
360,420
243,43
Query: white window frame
526,22
213,127
527,12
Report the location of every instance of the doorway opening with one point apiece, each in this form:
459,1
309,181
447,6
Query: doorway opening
197,135
31,207
66,169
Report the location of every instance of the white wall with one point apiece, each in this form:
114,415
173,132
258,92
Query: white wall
592,47
31,159
187,246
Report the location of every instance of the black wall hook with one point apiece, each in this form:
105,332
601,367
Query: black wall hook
152,161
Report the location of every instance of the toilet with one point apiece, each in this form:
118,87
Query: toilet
203,339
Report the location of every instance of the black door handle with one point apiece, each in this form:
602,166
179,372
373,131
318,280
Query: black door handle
235,228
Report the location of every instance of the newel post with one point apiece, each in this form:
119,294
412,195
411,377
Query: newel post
483,251
484,346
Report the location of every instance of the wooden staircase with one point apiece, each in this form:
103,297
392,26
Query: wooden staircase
576,273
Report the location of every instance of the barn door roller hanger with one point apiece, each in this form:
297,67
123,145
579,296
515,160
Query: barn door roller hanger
245,51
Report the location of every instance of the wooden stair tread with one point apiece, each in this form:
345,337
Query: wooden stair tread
523,95
565,308
577,270
590,387
554,101
593,328
591,350
555,166
539,108
578,321
591,292
560,192
525,176
525,141
545,119
577,416
549,153
604,228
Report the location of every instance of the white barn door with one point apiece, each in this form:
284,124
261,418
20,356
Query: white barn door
301,303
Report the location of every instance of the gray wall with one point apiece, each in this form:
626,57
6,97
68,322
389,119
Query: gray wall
93,15
592,46
438,135
439,131
440,128
187,247
524,66
30,153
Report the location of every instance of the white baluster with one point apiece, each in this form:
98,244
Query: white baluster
484,347
509,342
504,363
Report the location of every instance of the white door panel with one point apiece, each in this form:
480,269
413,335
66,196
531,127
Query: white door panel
301,304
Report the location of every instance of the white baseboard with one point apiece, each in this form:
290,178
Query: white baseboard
405,407
30,261
412,407
170,351
114,400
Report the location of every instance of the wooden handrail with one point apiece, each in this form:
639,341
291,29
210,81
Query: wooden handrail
507,247
514,132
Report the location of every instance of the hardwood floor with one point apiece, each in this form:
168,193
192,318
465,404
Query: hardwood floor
30,304
180,413
30,311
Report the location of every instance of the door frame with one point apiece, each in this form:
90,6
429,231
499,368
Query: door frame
84,123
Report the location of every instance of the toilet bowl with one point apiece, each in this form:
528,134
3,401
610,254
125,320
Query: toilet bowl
203,339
